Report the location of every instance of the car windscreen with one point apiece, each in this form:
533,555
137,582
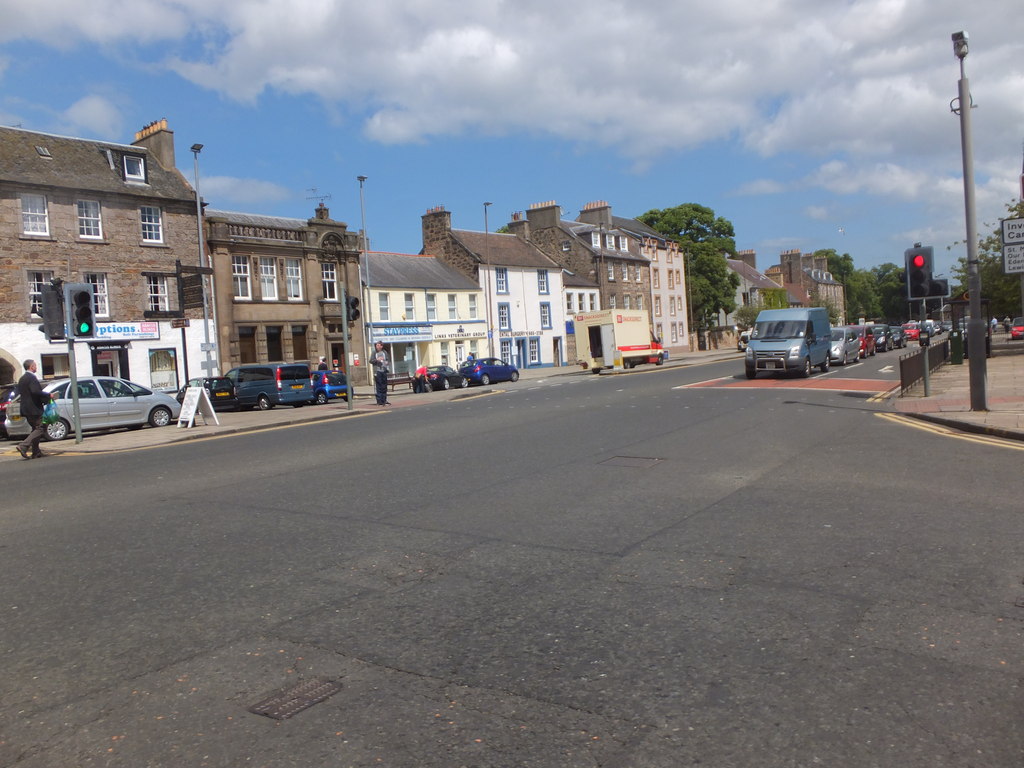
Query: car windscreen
294,372
838,334
779,329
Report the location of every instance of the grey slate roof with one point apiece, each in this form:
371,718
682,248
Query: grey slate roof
400,270
751,275
503,250
83,164
256,220
582,231
637,227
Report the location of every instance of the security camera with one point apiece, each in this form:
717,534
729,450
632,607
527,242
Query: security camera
960,44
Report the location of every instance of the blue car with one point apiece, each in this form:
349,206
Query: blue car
328,385
489,369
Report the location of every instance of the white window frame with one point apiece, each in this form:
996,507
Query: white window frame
453,306
543,285
293,279
625,273
568,303
533,350
241,277
506,350
595,239
268,278
157,298
90,222
545,315
35,215
36,280
410,306
611,272
384,305
473,308
431,306
134,168
101,300
504,316
626,303
501,280
329,280
152,220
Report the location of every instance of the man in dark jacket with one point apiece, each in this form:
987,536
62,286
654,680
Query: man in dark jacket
33,399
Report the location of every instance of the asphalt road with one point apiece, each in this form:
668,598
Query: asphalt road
613,571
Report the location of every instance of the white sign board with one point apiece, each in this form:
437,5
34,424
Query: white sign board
196,400
1013,231
1013,258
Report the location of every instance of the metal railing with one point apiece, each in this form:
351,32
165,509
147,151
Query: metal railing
912,364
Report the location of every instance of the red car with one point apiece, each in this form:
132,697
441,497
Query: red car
867,340
912,330
1017,328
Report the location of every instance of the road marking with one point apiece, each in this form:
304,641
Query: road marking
831,384
944,431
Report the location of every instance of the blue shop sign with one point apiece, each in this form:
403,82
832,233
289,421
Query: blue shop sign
392,333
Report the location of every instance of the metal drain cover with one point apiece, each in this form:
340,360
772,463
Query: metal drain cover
291,701
631,461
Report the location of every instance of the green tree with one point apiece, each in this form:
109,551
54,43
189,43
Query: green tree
891,287
747,314
1003,291
706,240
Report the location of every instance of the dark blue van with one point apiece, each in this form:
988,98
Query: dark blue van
266,385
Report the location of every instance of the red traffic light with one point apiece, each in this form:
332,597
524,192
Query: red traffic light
917,260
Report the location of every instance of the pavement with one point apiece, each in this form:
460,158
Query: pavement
949,404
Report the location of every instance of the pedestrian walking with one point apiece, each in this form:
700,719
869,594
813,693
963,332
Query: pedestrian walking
323,365
381,369
33,400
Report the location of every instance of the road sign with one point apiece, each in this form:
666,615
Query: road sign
179,322
1013,258
1013,231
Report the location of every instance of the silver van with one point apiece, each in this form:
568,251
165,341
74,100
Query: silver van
266,385
789,341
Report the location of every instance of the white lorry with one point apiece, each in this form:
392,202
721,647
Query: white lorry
615,338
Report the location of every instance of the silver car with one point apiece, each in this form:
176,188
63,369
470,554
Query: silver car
845,346
103,403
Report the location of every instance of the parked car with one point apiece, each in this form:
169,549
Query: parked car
445,377
742,340
1017,328
103,403
912,330
899,336
883,336
328,385
489,369
7,393
867,341
266,385
845,346
220,390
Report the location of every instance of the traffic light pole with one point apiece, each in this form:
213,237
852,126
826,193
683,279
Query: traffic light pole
76,409
350,387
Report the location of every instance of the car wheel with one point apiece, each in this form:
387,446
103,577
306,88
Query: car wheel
485,379
661,359
59,430
464,383
159,417
806,371
751,372
263,403
321,398
514,376
447,384
824,366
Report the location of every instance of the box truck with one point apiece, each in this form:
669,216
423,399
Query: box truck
789,340
615,338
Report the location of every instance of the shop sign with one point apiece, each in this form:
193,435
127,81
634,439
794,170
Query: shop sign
392,333
518,334
459,333
128,330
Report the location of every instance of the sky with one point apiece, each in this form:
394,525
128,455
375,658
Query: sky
808,124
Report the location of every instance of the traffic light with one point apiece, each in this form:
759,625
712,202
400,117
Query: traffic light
79,299
51,309
919,271
352,308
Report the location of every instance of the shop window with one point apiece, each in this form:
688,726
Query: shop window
163,369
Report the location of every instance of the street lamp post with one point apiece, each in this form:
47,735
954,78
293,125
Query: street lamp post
363,256
208,364
487,260
976,325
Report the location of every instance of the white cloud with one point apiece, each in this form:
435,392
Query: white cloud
228,191
93,115
761,187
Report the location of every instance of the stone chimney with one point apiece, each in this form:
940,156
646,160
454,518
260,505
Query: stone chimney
437,228
159,140
519,226
748,257
597,213
544,215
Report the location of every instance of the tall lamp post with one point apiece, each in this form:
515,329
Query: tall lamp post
487,259
976,325
208,365
363,256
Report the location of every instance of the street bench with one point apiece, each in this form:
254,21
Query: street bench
398,379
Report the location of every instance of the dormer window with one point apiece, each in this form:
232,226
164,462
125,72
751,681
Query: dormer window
134,168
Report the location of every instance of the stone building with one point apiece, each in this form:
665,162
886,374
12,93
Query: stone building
811,274
279,289
120,217
523,290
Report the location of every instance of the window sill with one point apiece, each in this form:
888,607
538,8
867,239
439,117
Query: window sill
45,238
153,244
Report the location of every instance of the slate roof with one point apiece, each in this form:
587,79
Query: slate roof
582,231
636,227
503,250
400,270
83,164
256,220
572,280
751,275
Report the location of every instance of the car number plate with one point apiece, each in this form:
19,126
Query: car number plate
221,394
773,364
296,386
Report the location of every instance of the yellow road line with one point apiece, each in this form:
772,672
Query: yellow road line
944,431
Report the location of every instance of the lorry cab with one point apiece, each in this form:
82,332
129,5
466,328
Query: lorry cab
789,341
